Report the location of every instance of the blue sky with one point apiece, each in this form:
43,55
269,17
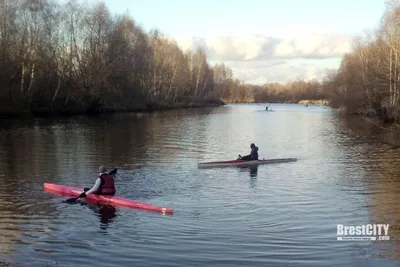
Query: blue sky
266,17
282,19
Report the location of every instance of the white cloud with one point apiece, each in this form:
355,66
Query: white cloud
258,58
254,72
258,47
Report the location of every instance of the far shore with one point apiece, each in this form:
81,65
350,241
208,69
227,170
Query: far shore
303,102
45,111
314,102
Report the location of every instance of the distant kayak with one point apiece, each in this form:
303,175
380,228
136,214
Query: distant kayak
263,110
240,162
99,199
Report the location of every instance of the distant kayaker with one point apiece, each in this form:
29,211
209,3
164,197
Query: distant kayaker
253,154
104,184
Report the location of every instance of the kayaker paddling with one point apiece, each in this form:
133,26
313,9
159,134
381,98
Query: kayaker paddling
253,154
100,200
104,184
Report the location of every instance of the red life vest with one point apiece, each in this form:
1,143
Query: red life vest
107,186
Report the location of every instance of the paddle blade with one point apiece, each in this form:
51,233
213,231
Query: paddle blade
113,172
71,200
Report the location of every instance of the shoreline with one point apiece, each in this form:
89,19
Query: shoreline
383,115
304,101
148,108
44,111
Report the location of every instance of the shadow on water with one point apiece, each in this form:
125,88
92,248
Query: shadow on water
253,170
106,213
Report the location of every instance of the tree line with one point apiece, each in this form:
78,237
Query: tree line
68,58
290,92
368,79
74,58
63,58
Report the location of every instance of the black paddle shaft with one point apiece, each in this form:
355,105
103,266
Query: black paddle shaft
113,172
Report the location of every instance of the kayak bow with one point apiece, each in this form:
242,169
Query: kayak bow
241,162
99,199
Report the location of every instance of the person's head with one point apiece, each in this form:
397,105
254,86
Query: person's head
252,145
102,169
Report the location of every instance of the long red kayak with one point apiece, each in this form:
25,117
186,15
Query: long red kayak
112,200
241,162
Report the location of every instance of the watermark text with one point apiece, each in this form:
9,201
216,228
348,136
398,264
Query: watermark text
363,232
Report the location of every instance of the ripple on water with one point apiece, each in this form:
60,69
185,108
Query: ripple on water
277,215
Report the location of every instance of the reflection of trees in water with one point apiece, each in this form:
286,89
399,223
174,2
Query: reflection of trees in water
47,145
10,230
382,178
69,150
42,150
17,214
24,161
72,148
174,132
384,182
380,138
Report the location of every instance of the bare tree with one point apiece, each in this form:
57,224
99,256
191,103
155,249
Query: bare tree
71,58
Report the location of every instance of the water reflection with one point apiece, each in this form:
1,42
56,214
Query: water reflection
336,180
106,213
253,170
380,181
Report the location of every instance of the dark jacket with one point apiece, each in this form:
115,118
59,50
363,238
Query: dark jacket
254,153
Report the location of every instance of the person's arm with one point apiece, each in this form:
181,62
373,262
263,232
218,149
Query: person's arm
95,187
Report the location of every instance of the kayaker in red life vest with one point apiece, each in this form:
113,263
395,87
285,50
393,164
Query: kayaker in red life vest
104,184
253,154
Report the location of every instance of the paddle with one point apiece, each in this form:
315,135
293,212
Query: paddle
74,199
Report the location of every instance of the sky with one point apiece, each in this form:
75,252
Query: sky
261,40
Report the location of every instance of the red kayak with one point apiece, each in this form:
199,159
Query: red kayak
242,163
98,199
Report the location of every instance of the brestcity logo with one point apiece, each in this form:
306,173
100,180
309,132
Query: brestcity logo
364,232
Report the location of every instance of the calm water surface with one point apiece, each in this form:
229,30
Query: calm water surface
274,215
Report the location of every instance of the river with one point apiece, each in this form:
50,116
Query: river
274,215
